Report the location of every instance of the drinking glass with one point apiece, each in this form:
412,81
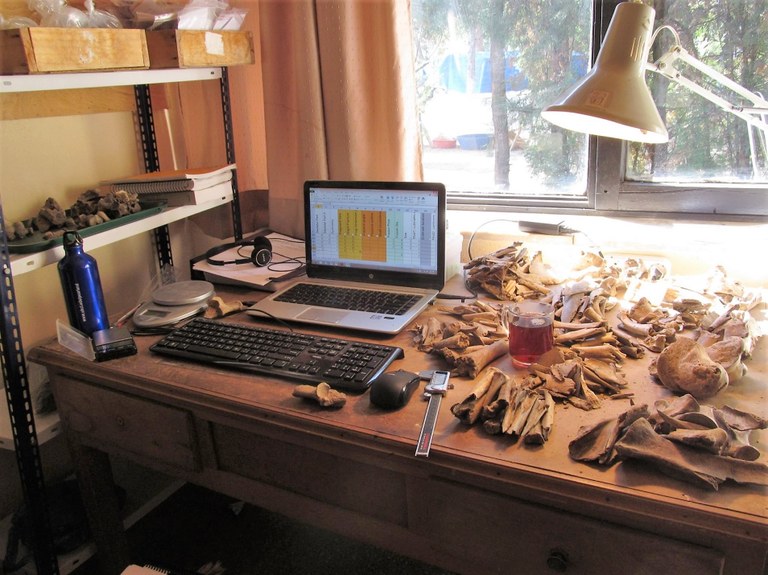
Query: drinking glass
529,324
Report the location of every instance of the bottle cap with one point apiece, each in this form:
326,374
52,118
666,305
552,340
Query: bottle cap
72,238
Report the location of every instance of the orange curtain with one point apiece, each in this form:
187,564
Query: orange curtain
339,97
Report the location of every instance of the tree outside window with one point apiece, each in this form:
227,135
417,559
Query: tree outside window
486,69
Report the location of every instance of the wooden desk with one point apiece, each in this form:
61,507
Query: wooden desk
478,504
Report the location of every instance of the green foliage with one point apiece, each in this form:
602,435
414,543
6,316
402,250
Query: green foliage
706,143
555,155
551,39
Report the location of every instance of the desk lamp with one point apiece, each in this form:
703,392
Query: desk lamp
613,99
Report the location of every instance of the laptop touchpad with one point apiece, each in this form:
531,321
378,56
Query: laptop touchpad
323,315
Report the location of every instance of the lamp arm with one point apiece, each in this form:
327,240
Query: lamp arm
666,67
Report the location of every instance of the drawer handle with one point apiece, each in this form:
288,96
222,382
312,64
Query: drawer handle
558,560
120,421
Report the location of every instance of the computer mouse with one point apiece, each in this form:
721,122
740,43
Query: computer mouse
393,389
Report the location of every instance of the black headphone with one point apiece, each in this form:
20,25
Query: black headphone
260,256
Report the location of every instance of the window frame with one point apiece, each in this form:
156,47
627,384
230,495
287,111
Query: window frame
614,194
608,193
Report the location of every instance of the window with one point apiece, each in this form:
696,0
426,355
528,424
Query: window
486,68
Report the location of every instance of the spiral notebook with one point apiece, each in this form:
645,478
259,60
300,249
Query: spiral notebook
173,181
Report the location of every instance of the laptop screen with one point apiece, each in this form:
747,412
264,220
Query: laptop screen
376,232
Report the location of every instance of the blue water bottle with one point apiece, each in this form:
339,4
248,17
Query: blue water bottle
80,281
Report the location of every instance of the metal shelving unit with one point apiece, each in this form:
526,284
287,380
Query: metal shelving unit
26,437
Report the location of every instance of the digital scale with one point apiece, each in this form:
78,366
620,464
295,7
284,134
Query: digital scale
174,302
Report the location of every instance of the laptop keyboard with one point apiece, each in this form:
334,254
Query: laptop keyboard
367,300
341,363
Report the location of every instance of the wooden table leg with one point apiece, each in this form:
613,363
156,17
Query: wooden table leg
97,487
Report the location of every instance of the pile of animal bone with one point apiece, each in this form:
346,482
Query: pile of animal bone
702,344
511,274
589,351
584,363
468,343
524,407
698,443
504,405
90,209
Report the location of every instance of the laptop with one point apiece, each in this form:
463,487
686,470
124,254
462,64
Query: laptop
367,237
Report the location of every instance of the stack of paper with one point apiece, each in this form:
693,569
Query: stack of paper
179,187
287,262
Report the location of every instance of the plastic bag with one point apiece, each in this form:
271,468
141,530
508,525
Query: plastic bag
57,14
100,18
231,19
16,22
147,14
200,14
196,15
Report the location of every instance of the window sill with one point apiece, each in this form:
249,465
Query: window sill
692,248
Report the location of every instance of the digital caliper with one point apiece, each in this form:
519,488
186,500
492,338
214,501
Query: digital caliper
435,389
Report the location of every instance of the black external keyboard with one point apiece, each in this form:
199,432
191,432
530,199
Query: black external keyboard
374,301
341,363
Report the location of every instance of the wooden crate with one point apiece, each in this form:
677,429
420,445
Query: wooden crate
199,48
42,50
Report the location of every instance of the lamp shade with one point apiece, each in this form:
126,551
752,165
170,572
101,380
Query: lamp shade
613,99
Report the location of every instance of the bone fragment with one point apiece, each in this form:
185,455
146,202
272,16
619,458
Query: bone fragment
458,341
576,325
548,420
493,412
723,318
742,420
578,334
534,435
322,394
606,372
685,367
677,405
604,351
602,384
472,363
563,389
429,333
634,327
454,327
737,444
712,440
217,307
596,442
530,282
644,312
538,409
655,343
592,400
571,304
728,353
485,390
518,411
700,468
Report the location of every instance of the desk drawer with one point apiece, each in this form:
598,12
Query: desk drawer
504,535
128,424
322,476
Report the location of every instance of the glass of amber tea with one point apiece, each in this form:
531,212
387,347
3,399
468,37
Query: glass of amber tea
530,327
